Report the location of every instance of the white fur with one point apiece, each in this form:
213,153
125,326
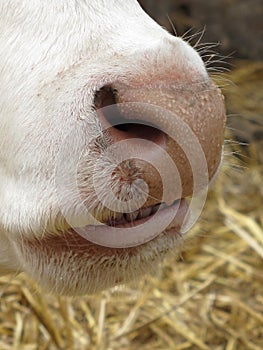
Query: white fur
53,56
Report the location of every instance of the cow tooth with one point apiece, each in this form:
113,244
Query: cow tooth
146,212
143,213
130,217
115,218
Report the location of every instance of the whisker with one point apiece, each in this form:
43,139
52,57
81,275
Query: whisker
172,24
202,33
189,38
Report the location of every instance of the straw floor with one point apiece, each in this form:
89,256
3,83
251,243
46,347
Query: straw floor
212,298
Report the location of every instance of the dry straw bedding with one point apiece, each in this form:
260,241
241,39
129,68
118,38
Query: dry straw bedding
212,298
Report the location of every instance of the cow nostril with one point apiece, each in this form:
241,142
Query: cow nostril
107,96
119,126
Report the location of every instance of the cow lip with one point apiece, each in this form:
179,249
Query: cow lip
138,232
136,217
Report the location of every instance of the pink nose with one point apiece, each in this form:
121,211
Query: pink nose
132,115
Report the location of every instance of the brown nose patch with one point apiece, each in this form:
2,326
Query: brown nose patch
130,113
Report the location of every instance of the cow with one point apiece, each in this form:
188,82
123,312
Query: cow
110,132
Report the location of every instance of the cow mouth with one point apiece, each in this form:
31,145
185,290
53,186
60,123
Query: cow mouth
80,240
139,227
135,217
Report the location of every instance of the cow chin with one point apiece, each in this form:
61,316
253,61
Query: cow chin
71,265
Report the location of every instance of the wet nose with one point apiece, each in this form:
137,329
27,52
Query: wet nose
176,119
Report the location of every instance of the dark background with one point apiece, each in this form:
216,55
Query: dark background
236,24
